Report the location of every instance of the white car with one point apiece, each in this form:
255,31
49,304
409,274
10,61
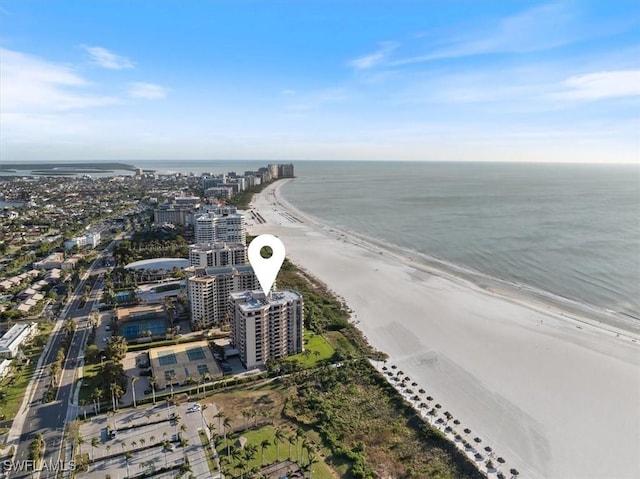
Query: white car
194,408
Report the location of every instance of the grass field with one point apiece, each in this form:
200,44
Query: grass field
13,387
90,380
317,350
285,450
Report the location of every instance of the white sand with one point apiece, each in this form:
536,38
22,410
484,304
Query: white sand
556,398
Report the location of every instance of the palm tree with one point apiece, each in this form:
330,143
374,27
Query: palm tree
311,460
220,416
79,442
133,389
143,441
245,415
172,378
127,456
291,440
94,443
165,447
96,395
278,438
82,404
305,447
153,381
227,425
264,445
116,391
299,435
205,377
54,369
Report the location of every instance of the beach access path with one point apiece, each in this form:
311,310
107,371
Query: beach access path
556,397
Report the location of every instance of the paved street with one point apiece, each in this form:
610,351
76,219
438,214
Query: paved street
50,418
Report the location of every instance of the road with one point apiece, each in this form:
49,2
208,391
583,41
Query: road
50,418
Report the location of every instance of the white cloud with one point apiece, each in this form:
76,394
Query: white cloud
149,91
106,59
608,84
369,61
539,28
31,84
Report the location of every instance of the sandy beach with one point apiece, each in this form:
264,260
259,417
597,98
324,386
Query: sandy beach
555,393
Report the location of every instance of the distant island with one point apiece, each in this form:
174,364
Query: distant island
65,168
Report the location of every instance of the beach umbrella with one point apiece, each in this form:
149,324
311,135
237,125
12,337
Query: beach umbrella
393,366
514,472
414,384
488,449
467,430
438,406
500,460
477,440
429,398
456,422
422,391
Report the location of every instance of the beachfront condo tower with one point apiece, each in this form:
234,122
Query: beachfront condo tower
266,327
209,293
211,227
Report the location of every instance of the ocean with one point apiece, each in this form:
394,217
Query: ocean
566,230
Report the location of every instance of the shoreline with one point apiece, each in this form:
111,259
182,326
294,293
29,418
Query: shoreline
523,376
522,294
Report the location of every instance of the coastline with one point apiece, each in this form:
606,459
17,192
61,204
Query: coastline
537,300
488,354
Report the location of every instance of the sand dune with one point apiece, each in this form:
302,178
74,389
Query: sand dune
557,398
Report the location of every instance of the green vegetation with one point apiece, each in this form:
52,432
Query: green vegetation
242,199
316,350
57,366
36,448
14,385
208,452
262,448
140,248
365,421
90,381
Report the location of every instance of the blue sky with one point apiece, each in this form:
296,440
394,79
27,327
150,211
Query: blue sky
350,80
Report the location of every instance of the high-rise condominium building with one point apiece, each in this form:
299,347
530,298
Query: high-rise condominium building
211,228
265,328
209,294
217,254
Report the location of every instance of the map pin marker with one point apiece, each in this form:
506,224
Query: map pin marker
266,269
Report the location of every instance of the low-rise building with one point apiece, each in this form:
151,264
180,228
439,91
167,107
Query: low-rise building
54,260
14,337
5,366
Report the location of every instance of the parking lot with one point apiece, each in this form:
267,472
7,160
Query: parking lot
141,432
